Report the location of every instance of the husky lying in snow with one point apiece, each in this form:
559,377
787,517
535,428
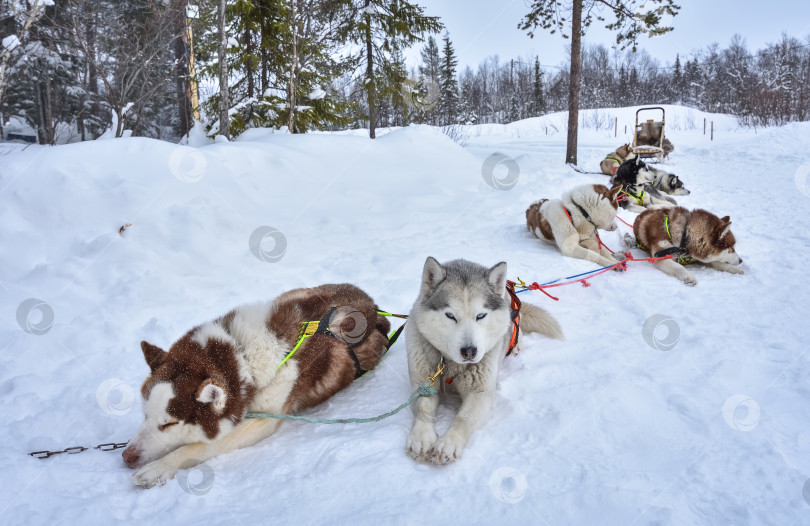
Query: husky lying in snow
668,183
197,394
611,163
646,188
572,221
633,171
688,236
462,319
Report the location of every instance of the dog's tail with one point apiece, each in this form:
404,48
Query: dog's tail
535,319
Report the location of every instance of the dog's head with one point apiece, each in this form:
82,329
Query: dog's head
623,151
187,398
723,243
599,202
711,239
633,171
461,310
674,185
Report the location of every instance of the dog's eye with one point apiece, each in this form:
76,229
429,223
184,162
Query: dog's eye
450,316
481,316
163,427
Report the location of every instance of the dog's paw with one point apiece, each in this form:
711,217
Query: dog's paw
734,270
689,280
447,450
420,442
153,474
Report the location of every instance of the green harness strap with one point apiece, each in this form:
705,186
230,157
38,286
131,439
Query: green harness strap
308,328
683,260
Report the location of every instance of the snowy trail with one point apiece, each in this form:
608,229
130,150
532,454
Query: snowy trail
602,428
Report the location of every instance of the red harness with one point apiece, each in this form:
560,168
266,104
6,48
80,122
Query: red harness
513,341
595,231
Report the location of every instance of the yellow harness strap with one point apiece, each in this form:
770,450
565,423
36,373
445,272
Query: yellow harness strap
308,328
639,199
683,260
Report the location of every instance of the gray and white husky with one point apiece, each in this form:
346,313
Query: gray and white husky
640,196
463,320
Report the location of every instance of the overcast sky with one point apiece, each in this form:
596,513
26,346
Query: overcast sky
481,28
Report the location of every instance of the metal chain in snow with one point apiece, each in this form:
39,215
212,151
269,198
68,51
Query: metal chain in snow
111,446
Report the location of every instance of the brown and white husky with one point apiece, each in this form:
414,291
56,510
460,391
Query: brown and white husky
572,221
698,236
611,163
197,395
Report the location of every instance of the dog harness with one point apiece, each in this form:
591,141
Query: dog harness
515,315
680,253
309,328
639,198
588,219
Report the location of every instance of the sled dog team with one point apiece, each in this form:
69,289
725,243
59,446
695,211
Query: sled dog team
254,360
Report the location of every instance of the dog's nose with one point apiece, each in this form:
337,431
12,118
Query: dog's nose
740,263
468,352
131,457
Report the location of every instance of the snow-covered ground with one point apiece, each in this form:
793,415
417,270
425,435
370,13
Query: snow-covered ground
702,420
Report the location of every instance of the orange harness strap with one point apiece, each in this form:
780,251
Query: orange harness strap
513,341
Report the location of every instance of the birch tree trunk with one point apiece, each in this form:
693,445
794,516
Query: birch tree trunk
292,87
224,99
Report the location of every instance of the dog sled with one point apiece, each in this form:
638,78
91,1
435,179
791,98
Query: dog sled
649,140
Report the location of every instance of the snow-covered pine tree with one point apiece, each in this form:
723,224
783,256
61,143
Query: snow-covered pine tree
429,81
21,15
677,80
448,98
380,27
538,98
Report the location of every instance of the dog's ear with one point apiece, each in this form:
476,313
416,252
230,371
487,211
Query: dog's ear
211,392
725,226
612,193
497,276
153,355
432,274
